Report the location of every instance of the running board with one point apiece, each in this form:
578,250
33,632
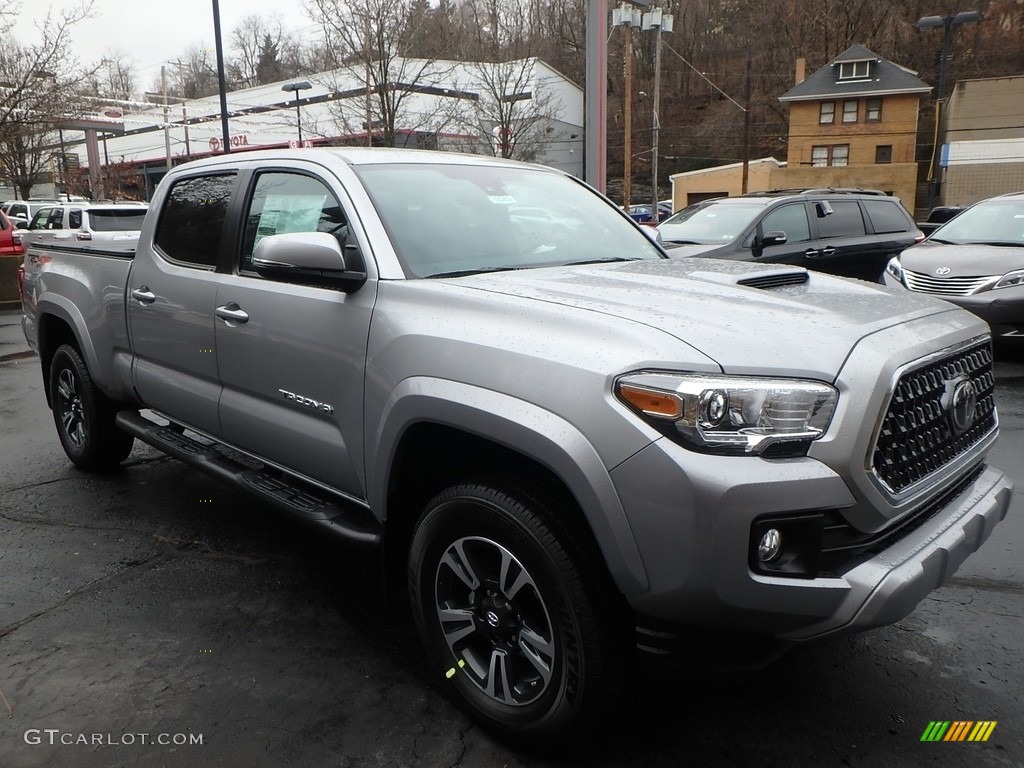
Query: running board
301,500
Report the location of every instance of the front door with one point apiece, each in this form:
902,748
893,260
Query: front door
291,357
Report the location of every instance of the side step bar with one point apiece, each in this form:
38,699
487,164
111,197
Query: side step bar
308,504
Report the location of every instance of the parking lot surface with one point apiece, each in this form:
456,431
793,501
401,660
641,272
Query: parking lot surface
151,617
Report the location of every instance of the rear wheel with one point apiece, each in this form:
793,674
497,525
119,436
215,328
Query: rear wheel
83,415
514,612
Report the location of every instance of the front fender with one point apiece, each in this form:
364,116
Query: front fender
522,427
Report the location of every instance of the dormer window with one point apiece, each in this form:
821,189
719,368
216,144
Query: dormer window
854,70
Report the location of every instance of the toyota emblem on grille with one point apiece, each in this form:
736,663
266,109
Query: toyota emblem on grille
943,271
960,401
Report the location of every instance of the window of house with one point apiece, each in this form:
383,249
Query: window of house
828,112
834,154
191,223
883,154
874,110
854,70
850,111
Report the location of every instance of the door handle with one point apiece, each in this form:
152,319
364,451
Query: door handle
828,251
232,313
811,253
143,295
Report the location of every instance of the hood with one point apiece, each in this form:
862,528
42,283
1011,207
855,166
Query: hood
969,260
802,329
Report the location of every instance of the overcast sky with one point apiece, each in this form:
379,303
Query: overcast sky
152,32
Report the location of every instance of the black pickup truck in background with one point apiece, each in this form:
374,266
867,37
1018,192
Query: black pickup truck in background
938,216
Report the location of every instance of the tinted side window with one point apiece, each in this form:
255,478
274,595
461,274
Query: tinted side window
886,216
290,202
192,220
39,220
844,221
791,219
74,218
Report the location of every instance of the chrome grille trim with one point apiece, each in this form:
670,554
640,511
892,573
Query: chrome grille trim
913,444
922,282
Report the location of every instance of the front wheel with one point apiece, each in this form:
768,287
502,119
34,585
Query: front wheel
514,611
83,415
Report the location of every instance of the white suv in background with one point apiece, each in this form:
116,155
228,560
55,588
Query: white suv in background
110,226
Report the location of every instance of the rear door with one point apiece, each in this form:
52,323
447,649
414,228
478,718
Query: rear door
172,294
844,246
291,357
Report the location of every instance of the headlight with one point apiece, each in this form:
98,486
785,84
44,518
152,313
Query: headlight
1010,278
894,268
731,414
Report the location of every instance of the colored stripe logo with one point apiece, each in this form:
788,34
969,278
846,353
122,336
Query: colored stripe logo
959,730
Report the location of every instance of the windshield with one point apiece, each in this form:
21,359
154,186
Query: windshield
713,223
117,221
447,220
993,221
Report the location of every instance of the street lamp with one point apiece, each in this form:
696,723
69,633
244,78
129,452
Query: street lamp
948,24
298,85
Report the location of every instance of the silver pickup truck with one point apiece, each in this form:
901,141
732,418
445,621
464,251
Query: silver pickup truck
576,451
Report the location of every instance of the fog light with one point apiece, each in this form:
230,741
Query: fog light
770,545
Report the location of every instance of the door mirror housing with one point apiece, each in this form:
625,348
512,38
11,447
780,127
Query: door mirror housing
309,258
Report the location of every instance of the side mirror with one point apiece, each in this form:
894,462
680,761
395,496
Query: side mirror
823,209
769,238
308,258
774,238
653,234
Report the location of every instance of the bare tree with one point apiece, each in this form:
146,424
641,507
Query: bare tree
370,41
113,76
37,82
513,110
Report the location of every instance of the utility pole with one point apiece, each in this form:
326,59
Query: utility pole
167,117
627,17
659,21
746,130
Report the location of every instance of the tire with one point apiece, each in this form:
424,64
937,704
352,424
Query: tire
516,614
83,415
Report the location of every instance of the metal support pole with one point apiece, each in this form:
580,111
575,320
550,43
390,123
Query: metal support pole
595,120
222,86
298,117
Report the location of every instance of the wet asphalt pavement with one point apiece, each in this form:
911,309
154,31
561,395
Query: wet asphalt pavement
152,617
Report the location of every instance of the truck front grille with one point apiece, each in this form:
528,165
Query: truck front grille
918,437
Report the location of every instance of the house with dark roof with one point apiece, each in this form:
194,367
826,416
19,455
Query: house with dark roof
852,123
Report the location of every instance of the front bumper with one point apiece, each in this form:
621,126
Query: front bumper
694,533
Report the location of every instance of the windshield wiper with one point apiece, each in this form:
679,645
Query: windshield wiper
1006,243
477,271
609,260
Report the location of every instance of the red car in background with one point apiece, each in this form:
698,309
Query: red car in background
10,244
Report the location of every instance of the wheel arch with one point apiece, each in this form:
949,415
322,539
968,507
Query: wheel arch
434,433
55,328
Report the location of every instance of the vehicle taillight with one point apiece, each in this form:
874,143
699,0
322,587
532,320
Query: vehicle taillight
84,236
17,247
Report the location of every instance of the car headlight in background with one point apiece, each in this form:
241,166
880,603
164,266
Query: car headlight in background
731,414
894,268
1009,279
